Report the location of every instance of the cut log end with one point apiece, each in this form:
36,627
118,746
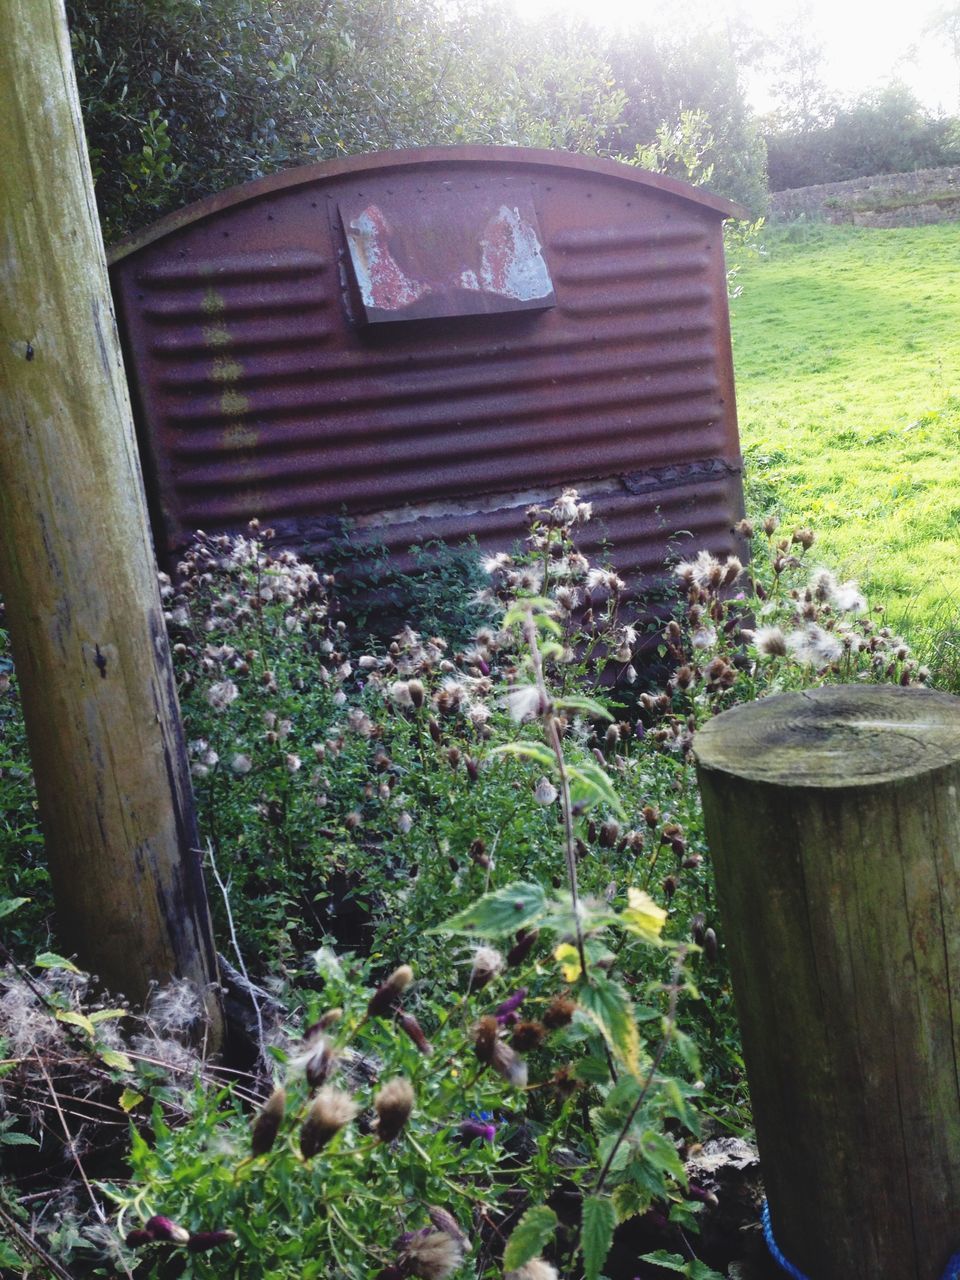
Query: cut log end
835,736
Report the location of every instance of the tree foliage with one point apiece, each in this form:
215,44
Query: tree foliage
184,97
885,131
666,77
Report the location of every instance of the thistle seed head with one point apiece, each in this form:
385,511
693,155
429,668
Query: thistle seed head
393,1105
329,1112
268,1122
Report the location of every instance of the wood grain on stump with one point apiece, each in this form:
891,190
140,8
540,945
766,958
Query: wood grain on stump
834,824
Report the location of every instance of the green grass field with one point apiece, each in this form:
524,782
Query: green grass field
847,352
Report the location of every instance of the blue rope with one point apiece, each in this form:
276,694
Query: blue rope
951,1273
774,1248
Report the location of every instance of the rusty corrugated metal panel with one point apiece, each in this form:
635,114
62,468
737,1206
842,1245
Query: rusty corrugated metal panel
268,383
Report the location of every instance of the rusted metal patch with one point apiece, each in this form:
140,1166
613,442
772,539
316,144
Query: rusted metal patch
413,259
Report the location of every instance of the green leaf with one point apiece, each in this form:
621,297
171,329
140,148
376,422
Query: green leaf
669,1261
589,785
609,1006
529,1236
659,1151
643,917
584,704
9,1257
596,1233
102,1015
15,1139
9,905
77,1020
50,960
114,1058
130,1099
592,1070
630,1201
531,750
499,914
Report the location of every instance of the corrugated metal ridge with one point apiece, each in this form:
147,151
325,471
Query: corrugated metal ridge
477,372
209,407
425,158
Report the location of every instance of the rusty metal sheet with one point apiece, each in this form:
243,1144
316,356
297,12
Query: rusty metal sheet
418,258
267,383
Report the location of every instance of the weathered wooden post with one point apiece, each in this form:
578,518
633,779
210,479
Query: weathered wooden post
834,821
76,563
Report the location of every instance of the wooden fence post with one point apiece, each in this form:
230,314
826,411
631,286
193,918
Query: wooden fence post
76,561
834,823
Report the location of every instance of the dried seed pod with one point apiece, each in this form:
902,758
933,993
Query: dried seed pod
320,1059
487,963
443,1220
330,1110
485,1039
559,1013
268,1122
383,998
408,1024
393,1105
527,1036
161,1228
200,1241
522,946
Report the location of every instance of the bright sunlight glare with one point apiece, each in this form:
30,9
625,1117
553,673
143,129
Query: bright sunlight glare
866,43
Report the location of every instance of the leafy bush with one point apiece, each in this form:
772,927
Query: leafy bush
475,880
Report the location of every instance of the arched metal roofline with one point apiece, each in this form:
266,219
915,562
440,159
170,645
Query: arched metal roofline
414,158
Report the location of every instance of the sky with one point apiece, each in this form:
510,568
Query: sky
866,42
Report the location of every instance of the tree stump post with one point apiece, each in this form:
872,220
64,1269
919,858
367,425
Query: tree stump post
834,823
76,560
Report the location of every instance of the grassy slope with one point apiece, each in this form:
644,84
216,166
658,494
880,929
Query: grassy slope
847,350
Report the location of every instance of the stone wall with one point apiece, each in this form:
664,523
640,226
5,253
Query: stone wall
888,200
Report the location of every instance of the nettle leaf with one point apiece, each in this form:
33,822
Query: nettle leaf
530,750
9,905
76,1020
609,1006
596,1233
50,960
630,1201
695,1269
130,1099
114,1058
103,1015
589,785
669,1261
643,917
590,705
528,1238
659,1151
499,914
16,1139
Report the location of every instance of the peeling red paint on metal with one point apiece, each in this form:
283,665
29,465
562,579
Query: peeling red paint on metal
380,277
456,254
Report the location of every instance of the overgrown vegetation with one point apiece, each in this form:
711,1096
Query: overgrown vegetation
493,1023
846,348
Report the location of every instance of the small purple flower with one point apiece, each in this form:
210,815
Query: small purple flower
511,1005
470,1130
